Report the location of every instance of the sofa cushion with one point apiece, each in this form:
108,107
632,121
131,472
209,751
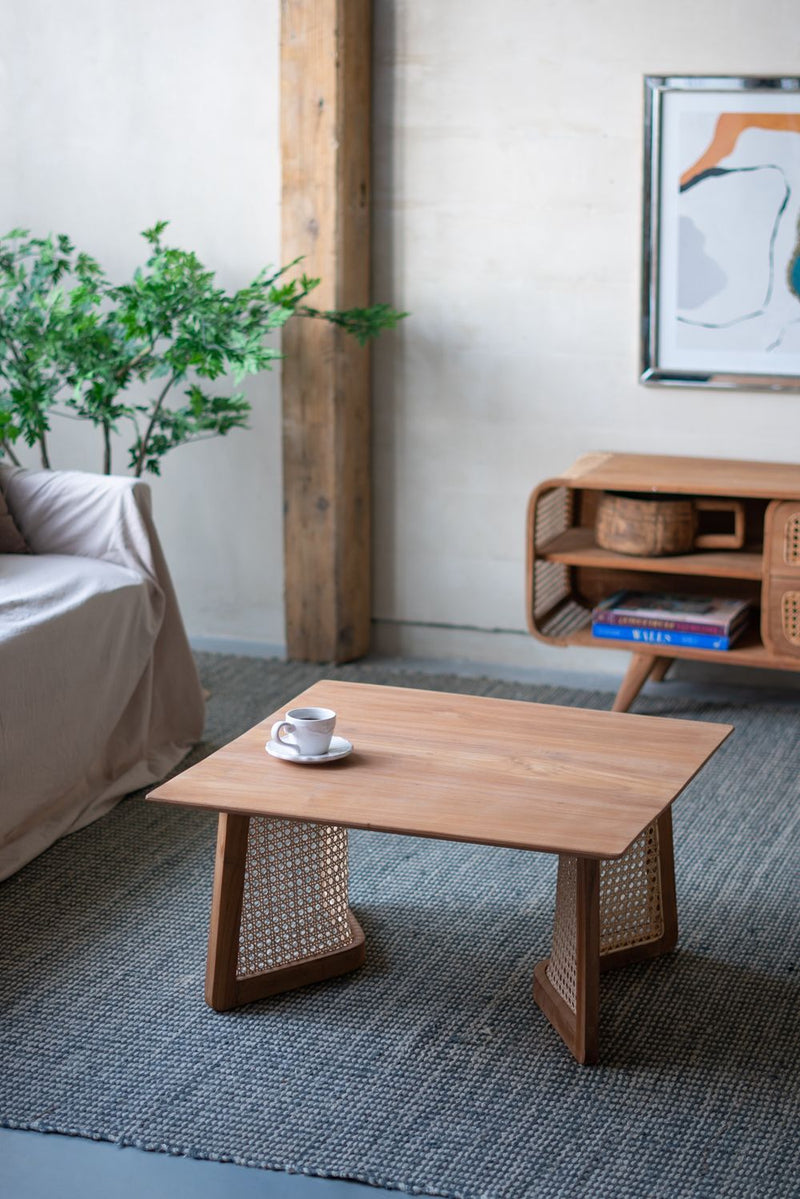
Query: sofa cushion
11,540
42,588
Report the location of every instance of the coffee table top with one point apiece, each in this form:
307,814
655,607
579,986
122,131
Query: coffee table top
464,768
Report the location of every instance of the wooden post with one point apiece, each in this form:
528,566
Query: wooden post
325,132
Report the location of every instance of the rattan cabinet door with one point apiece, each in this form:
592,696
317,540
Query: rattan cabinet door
780,609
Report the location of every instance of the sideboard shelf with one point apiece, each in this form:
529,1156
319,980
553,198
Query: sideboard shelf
568,573
576,547
748,651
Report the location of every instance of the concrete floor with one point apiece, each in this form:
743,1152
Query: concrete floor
36,1166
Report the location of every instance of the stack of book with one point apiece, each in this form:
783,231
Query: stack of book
694,622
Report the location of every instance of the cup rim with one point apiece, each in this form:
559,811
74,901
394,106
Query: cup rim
303,715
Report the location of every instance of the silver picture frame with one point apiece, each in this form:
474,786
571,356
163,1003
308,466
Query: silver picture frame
730,250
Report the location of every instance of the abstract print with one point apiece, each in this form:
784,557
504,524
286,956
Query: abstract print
738,271
721,286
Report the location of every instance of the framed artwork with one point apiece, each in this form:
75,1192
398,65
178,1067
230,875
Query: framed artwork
721,259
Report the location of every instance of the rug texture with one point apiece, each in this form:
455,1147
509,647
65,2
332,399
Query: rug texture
430,1070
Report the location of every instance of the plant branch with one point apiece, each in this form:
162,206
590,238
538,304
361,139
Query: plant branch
134,362
106,448
10,453
140,457
15,353
172,322
62,414
201,437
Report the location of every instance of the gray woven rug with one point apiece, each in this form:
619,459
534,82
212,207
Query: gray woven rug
431,1070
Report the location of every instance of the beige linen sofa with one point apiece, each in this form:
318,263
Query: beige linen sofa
99,693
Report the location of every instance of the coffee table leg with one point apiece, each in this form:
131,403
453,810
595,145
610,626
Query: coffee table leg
566,985
279,915
608,913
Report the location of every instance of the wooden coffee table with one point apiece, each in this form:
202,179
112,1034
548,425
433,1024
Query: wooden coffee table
593,787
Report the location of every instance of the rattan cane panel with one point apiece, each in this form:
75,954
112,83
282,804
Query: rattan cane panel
551,582
790,616
631,911
562,967
550,586
791,545
553,515
569,618
295,894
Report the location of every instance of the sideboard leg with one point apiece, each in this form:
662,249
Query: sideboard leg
637,674
660,670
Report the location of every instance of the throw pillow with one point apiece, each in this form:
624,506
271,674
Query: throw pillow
11,540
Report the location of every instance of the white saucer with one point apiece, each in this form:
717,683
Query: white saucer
340,748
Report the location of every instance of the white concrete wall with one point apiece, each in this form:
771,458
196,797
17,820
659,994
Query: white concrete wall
113,115
507,182
508,190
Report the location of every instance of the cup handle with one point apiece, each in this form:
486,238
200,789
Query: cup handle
275,735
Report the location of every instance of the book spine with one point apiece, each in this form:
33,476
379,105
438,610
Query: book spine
615,632
659,622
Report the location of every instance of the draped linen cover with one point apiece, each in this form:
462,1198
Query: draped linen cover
99,693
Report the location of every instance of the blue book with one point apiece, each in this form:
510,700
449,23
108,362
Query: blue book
618,632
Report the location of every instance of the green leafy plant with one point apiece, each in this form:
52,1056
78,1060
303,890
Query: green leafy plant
73,344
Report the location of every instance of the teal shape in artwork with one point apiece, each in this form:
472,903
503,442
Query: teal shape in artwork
794,275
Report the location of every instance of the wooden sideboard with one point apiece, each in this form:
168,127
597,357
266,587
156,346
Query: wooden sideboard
568,573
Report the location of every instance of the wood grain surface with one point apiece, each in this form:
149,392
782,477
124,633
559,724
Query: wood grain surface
693,476
464,768
325,219
577,547
747,650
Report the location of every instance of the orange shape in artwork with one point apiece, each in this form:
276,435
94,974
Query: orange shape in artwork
729,127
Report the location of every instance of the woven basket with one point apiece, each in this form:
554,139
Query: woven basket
646,526
656,525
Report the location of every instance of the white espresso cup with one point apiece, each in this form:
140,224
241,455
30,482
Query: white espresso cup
308,731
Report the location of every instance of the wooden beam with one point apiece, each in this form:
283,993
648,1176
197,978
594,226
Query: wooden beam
325,134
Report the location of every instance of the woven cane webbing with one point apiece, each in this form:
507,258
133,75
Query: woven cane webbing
790,616
791,545
554,612
295,894
631,911
569,617
550,586
553,515
550,579
562,967
630,895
